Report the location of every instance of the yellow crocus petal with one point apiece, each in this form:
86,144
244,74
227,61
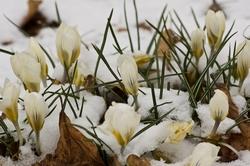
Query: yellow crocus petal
119,138
142,60
78,79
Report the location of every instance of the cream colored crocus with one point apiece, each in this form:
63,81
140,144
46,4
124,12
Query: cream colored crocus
178,131
243,59
68,44
128,71
197,40
215,25
219,107
36,51
28,70
245,88
204,154
8,105
121,121
36,110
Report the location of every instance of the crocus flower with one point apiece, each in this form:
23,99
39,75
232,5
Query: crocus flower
36,110
121,120
197,41
204,154
36,51
10,94
129,73
243,59
245,88
219,108
68,43
215,25
178,131
27,69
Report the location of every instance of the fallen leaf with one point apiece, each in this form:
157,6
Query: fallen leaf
134,160
73,148
159,155
89,83
113,161
121,29
163,48
34,20
144,26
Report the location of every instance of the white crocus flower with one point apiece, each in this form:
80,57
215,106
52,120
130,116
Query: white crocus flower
129,73
121,120
215,25
8,105
27,69
178,131
243,59
36,110
36,51
197,40
204,154
219,108
245,88
68,43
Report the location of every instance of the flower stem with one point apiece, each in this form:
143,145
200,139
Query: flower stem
216,125
19,133
38,147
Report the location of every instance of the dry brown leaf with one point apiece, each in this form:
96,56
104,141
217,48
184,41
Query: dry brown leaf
163,48
144,26
33,6
121,29
113,161
89,83
73,148
34,20
134,160
159,155
238,141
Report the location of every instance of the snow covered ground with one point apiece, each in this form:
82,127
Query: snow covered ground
90,18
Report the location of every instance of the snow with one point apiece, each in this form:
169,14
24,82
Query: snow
172,98
90,17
